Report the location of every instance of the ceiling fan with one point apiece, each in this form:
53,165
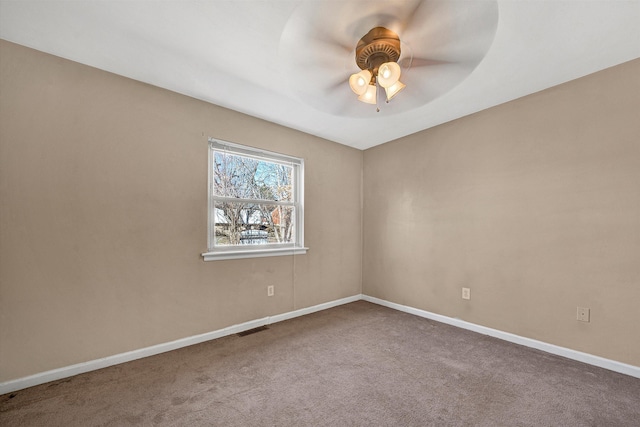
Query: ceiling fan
377,55
328,47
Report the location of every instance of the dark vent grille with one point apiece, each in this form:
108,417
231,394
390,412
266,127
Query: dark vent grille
253,331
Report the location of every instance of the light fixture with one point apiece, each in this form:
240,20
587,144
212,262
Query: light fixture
360,81
393,90
370,95
377,56
388,74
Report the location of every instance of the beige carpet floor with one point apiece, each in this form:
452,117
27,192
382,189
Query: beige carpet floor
355,365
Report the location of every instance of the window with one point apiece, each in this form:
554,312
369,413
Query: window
255,203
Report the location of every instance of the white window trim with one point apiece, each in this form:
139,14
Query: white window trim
216,256
256,251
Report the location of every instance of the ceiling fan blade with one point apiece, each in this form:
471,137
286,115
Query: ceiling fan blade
409,62
452,30
338,84
433,82
410,16
329,39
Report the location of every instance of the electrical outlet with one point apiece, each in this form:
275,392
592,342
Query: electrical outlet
270,290
583,314
466,293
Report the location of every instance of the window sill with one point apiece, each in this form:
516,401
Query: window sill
217,256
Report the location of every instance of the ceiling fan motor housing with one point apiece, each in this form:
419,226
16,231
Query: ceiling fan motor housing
378,46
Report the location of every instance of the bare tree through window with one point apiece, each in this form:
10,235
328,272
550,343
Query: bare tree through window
254,200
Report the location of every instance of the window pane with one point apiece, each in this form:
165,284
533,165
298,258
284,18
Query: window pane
249,178
253,223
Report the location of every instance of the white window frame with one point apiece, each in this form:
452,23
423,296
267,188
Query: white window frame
222,252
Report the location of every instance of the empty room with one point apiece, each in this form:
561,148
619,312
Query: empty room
320,213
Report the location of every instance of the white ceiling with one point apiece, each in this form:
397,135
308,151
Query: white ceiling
287,61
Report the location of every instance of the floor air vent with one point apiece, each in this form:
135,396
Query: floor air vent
253,331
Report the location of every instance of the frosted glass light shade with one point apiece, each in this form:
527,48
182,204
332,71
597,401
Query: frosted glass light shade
394,89
370,95
359,82
388,74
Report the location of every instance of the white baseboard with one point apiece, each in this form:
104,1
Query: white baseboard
80,368
303,311
92,365
601,362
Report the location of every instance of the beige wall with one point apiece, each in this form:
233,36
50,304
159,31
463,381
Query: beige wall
534,205
103,194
